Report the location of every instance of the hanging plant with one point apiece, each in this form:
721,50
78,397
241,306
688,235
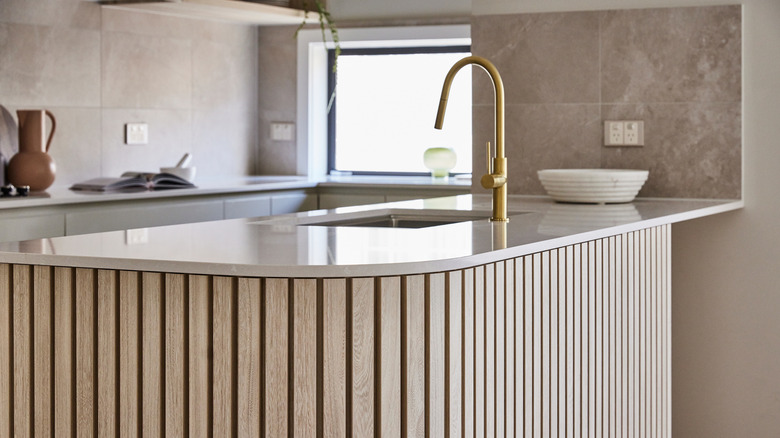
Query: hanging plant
327,25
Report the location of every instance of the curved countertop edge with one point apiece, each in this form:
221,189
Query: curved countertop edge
364,270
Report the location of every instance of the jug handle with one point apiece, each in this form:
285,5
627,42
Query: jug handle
53,127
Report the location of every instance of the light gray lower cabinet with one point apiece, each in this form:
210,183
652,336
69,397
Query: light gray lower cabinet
122,215
284,203
26,225
247,206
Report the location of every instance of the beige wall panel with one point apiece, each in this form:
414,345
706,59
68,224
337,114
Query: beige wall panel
249,357
175,355
334,323
305,358
389,302
362,329
64,362
6,374
129,357
223,356
43,320
107,354
153,392
85,353
277,302
414,315
199,364
436,368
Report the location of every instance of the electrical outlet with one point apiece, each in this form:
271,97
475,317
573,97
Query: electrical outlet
282,131
624,133
136,236
613,133
633,133
136,133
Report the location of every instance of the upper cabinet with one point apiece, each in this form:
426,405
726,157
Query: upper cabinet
229,10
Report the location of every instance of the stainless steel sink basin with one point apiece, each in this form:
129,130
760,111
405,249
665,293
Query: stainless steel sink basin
400,220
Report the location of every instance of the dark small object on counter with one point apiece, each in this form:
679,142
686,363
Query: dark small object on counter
7,190
22,190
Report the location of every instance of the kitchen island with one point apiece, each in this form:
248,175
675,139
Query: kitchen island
557,321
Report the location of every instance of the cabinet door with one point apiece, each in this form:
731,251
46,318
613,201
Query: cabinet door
123,216
293,202
31,227
248,206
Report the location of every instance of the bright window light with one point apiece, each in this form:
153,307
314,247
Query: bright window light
385,105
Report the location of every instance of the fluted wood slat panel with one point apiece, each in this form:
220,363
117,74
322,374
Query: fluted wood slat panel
569,342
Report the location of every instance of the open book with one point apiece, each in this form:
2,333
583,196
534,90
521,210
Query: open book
134,181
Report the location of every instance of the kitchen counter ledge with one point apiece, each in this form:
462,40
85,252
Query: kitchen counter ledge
277,247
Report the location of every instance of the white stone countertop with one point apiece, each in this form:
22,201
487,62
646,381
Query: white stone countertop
282,247
62,195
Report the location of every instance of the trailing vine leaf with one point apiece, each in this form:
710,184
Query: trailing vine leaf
326,25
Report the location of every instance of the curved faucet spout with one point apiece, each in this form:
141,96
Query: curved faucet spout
496,176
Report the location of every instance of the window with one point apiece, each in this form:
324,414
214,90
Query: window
382,112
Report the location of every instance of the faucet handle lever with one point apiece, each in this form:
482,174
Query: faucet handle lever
489,160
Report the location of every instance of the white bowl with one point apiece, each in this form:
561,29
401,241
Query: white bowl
187,173
593,186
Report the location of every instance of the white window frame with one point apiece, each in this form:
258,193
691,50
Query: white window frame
312,79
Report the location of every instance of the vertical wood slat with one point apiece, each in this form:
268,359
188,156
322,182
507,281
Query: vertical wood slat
276,334
305,358
175,355
435,350
43,346
389,359
414,346
334,298
454,390
480,347
6,346
153,389
362,354
22,350
249,357
129,358
467,352
85,353
107,354
200,420
222,345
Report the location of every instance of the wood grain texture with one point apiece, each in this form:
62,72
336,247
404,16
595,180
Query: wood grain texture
362,321
277,336
6,346
107,354
414,386
22,350
129,354
42,342
305,358
85,353
479,352
249,357
64,361
153,387
435,369
453,357
175,355
467,352
223,356
200,356
334,356
389,411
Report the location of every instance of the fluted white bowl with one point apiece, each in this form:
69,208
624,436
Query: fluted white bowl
593,186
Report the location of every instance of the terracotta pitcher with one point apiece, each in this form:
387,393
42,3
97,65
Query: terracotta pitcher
32,166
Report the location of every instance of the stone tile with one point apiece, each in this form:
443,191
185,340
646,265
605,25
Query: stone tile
140,71
146,23
61,13
169,139
692,150
75,146
671,55
551,136
224,142
224,76
542,58
49,66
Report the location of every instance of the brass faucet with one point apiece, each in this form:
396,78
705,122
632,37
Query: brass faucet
496,176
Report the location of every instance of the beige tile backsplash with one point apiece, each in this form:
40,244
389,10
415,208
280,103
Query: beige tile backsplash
195,82
677,69
212,88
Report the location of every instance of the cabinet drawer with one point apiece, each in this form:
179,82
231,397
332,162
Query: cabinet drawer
248,206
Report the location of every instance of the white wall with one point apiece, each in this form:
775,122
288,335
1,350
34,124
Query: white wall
726,286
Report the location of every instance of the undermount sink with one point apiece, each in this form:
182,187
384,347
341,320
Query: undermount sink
385,218
415,219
